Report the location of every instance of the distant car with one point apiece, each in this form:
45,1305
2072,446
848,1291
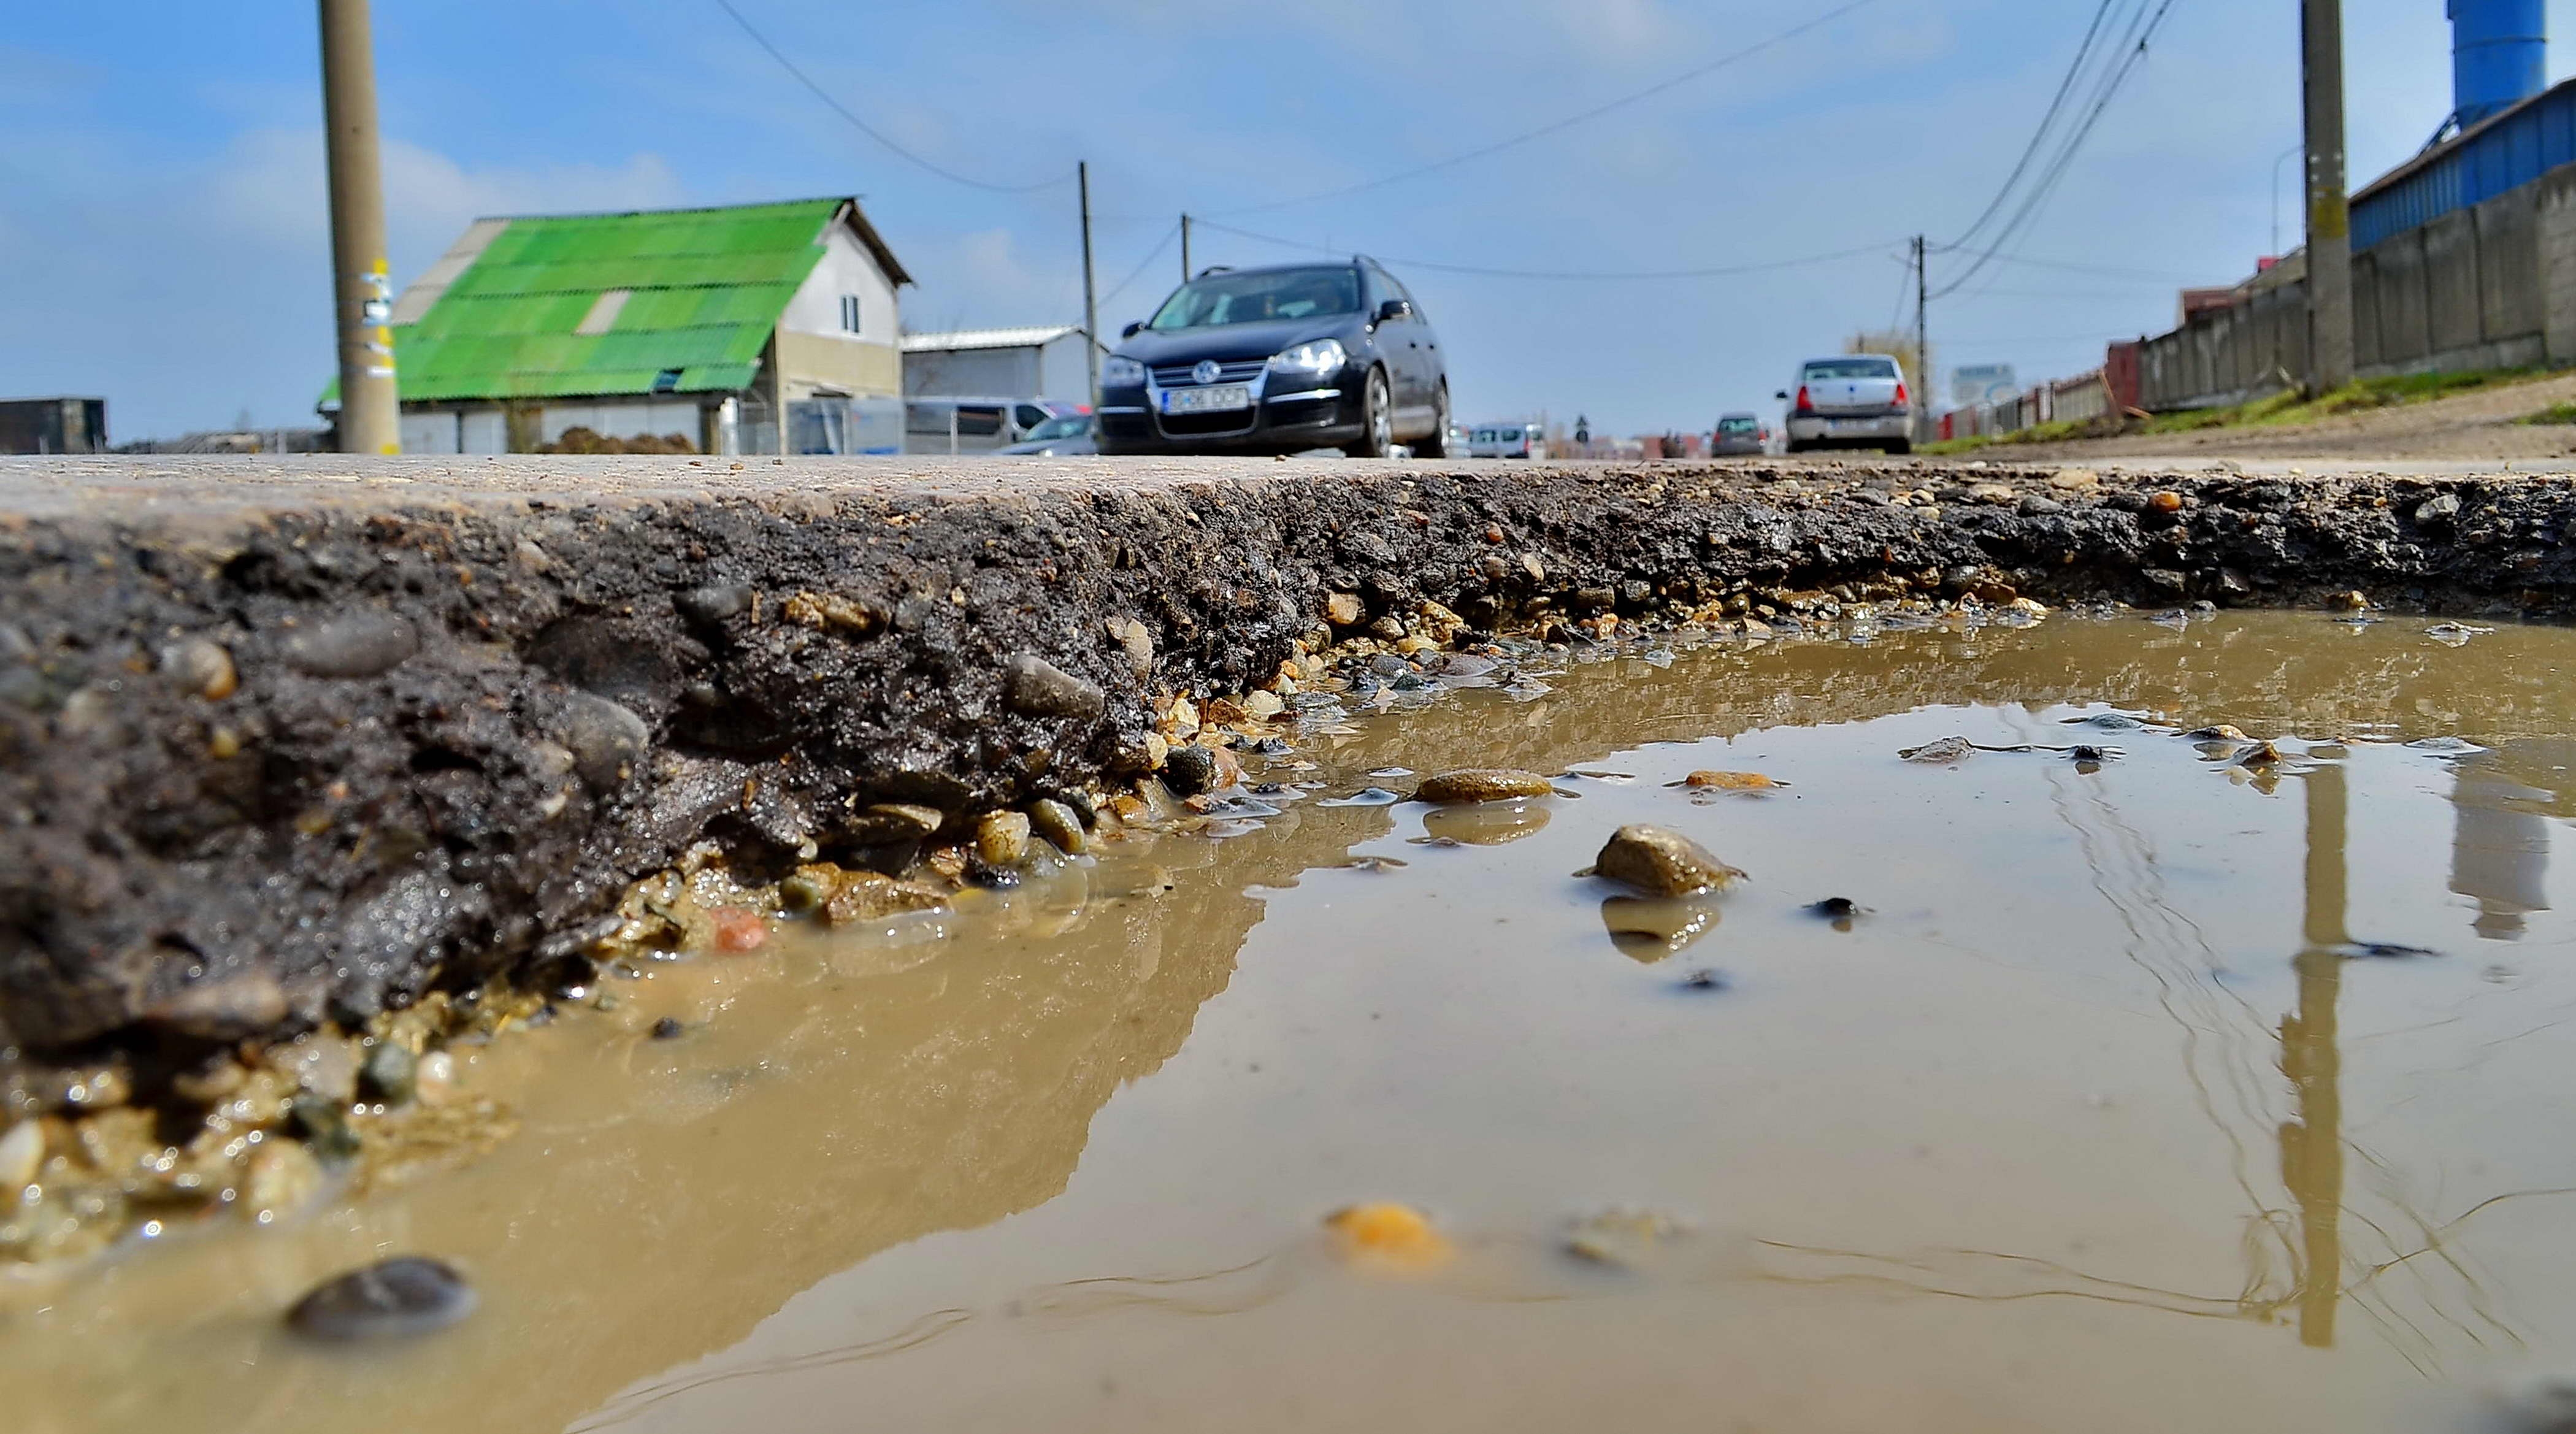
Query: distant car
1854,401
1279,359
1507,440
1737,434
1065,436
946,424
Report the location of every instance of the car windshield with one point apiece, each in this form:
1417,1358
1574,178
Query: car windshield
1071,425
1735,425
1251,298
1852,368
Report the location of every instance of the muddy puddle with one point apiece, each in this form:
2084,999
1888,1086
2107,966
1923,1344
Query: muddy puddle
2144,1088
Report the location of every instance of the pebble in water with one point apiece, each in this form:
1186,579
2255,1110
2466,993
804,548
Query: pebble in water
739,929
1946,751
1837,909
1060,825
407,1295
1661,862
1730,782
1002,839
667,1029
1387,1236
1483,784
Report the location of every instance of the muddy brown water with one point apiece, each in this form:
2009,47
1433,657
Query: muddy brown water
2160,1092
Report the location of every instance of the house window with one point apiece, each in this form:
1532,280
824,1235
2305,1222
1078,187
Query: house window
850,313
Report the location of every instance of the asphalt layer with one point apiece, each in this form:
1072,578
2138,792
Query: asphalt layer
286,741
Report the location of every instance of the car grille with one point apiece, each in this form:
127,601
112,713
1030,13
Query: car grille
1178,375
1209,425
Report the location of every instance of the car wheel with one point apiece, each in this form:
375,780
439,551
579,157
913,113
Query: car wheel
1377,418
1900,448
1437,445
1793,446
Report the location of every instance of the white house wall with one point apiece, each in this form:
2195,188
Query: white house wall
846,268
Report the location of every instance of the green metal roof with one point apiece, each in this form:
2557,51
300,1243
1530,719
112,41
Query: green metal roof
706,288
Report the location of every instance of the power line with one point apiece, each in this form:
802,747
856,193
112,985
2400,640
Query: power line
2039,136
1718,271
1723,61
871,131
2133,50
1155,253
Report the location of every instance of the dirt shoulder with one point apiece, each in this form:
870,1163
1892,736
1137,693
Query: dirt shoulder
2479,426
282,743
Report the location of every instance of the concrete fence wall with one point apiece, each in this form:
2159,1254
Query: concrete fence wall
2490,286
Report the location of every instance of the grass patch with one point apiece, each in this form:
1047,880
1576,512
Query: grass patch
2554,413
2359,396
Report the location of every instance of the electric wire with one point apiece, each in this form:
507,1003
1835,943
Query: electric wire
1170,234
2039,136
1479,271
1569,122
871,131
2133,51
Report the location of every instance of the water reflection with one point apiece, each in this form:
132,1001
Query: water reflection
2312,1143
2499,845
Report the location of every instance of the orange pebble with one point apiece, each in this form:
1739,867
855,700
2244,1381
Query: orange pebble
739,930
2166,502
1733,781
1389,1236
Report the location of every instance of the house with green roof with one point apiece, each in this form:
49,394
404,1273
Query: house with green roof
756,328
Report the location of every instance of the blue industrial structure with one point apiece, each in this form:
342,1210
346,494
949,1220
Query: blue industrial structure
2499,56
2509,131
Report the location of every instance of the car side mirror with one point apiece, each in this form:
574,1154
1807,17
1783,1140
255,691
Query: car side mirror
1131,331
1392,310
1782,395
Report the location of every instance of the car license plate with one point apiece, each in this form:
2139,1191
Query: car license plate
1219,398
1846,425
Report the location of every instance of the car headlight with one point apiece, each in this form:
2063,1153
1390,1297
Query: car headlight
1320,357
1120,372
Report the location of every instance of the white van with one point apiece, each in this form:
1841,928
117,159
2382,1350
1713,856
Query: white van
974,425
1507,440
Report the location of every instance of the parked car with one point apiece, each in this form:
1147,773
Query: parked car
1738,434
1067,435
1853,401
941,424
1279,360
1507,440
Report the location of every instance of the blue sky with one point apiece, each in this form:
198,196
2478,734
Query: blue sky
162,234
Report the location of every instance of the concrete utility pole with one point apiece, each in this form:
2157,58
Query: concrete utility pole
370,405
1922,340
1090,294
2330,359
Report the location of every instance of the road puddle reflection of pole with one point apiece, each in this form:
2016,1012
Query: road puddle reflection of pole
2312,1145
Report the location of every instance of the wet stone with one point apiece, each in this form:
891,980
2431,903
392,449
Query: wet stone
1035,687
713,604
1059,825
1946,751
1483,784
353,644
1662,862
391,1299
606,739
389,1074
1002,839
22,1154
324,1125
668,1029
1190,770
1835,908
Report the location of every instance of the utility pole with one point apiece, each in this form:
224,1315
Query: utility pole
1185,248
1090,291
2330,359
370,405
1922,340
